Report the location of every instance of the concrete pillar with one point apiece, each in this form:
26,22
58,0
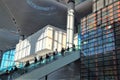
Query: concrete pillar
70,23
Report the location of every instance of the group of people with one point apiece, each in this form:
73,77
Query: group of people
41,58
47,56
8,73
13,69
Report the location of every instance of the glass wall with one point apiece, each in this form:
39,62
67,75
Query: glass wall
99,4
100,44
8,59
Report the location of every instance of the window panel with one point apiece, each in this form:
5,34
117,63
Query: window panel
49,43
55,45
7,59
50,32
64,40
60,38
101,43
56,35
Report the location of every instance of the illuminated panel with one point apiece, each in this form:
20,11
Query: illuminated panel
56,40
53,39
110,14
49,32
101,46
64,40
104,15
118,11
83,24
49,43
49,38
40,42
22,49
70,27
76,39
17,49
91,22
8,59
60,41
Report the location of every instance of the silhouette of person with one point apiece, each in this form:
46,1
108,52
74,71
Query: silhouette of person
73,46
15,68
40,60
35,60
56,51
27,64
47,57
62,51
8,75
68,48
7,72
54,55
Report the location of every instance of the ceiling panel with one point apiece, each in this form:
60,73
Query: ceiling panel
25,17
32,15
8,31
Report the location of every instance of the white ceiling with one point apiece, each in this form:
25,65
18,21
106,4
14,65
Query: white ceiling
28,16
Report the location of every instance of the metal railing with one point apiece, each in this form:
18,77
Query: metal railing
23,70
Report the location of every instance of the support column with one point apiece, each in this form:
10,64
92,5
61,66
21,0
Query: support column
70,23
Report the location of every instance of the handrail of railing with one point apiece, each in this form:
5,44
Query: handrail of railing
34,65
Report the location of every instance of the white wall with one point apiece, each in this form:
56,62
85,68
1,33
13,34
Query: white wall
49,37
76,39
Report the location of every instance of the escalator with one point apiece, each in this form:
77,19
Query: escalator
39,70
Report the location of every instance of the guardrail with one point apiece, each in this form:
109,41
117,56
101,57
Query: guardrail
22,70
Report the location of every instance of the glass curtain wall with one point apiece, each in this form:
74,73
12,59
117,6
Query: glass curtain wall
100,44
8,59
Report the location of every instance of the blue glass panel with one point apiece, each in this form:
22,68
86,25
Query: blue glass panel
5,63
7,52
8,59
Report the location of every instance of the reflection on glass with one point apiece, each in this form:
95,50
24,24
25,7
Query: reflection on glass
7,59
100,44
